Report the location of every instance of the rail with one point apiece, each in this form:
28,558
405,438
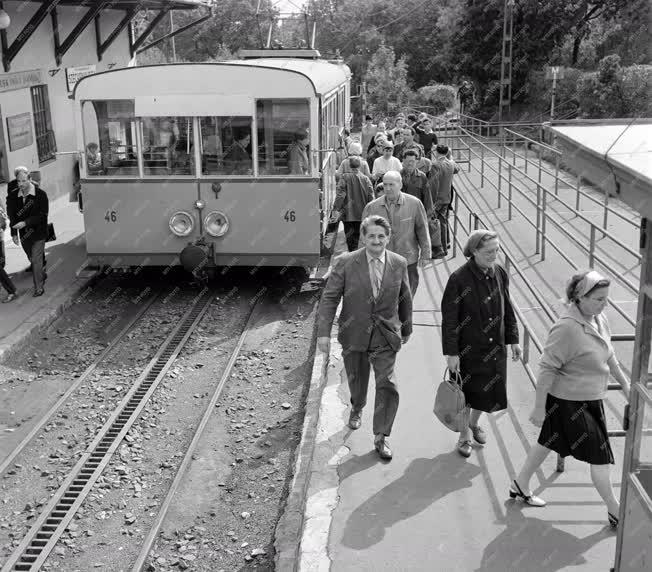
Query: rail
543,216
529,336
527,161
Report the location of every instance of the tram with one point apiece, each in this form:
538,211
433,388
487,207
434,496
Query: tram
210,164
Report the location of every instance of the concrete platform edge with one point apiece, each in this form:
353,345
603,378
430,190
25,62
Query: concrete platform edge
30,330
289,529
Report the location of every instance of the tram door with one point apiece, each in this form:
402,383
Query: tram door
634,542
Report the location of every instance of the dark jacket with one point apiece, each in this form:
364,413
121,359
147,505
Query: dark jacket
33,211
416,184
391,312
478,322
354,191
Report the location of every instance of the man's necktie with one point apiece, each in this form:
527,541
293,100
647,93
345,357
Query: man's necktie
378,276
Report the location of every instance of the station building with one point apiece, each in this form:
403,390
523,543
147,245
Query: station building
47,45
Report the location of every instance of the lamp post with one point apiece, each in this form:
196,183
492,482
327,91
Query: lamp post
5,20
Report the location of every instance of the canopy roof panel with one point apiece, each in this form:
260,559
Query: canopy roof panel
144,4
614,154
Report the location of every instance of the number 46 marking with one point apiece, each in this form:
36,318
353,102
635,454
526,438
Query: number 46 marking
290,216
111,216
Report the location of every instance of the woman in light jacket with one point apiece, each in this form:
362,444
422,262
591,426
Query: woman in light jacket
573,376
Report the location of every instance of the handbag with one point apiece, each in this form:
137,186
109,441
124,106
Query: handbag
434,228
51,234
450,405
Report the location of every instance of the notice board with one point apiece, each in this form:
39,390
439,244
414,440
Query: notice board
19,131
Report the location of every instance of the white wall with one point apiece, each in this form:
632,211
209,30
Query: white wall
38,53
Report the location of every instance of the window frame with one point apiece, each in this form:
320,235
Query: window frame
307,100
40,94
254,152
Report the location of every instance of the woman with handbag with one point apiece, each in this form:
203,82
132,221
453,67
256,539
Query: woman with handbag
5,280
478,323
573,378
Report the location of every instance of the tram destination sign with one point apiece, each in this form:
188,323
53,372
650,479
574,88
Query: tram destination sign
73,75
20,80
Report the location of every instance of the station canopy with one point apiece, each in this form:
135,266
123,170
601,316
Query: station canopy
129,4
616,155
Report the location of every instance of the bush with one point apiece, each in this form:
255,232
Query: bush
440,97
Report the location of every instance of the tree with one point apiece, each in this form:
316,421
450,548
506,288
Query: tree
387,85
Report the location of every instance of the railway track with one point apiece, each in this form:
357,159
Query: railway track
42,537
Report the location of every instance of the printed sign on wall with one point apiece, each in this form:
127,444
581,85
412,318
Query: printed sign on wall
19,130
73,75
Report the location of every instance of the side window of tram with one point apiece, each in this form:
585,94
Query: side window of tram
283,137
226,145
168,146
110,138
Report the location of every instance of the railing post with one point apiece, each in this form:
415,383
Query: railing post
538,227
540,151
525,152
577,188
592,246
526,346
606,211
509,193
514,149
476,221
481,166
500,175
455,224
544,203
556,174
468,148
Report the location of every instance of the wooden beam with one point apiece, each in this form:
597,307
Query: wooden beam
178,31
25,34
141,39
98,37
55,31
118,29
79,29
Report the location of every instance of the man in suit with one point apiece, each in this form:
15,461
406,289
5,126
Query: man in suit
376,319
28,215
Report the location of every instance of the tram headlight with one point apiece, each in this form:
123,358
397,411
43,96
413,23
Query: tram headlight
216,223
181,223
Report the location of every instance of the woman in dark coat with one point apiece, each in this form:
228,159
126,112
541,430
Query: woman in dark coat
478,323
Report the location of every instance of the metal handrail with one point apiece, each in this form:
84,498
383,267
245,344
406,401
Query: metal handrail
545,145
604,232
550,241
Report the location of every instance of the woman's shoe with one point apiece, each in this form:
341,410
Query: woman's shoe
38,293
613,520
10,298
527,499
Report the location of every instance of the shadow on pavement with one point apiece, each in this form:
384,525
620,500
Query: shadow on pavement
529,545
424,482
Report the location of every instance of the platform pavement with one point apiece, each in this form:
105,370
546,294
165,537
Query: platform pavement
66,257
429,509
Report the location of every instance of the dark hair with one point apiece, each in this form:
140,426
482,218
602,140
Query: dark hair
240,134
442,149
377,220
411,153
412,117
92,145
410,129
368,117
300,135
576,279
354,162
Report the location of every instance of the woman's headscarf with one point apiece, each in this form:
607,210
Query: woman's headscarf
476,238
586,284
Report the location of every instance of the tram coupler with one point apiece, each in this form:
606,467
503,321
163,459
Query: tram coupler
196,257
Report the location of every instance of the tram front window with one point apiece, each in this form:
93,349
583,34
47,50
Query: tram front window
110,138
283,137
226,146
167,146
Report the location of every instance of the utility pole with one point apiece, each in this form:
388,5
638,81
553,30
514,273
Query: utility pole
555,72
364,99
505,100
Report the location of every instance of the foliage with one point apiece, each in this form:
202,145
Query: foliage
387,86
438,97
614,91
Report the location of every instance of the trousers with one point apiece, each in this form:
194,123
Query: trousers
352,233
413,276
442,214
357,366
5,281
35,251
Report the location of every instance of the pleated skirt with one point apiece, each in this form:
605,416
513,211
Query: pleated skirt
578,429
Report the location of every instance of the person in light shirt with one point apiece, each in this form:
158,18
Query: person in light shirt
387,162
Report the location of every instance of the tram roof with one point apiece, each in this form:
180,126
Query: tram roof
614,154
324,75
